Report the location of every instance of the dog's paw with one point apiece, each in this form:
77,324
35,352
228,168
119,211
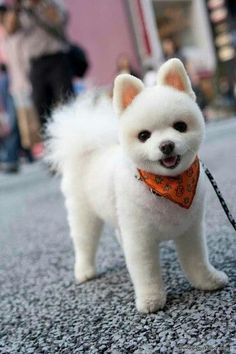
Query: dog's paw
151,303
83,274
213,280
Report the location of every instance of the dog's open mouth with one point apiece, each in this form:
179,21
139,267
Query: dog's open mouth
171,161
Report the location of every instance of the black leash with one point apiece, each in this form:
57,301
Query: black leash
220,197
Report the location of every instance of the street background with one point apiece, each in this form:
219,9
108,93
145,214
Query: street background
42,309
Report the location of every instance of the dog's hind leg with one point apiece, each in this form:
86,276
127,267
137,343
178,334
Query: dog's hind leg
85,229
193,255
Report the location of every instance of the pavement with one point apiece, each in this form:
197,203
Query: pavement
42,309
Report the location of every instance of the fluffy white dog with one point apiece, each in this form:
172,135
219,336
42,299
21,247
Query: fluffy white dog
160,131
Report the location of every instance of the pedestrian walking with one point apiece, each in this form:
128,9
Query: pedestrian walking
49,72
9,134
20,86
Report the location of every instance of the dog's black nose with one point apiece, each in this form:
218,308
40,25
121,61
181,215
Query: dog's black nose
167,147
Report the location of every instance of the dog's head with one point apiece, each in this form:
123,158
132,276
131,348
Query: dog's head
161,128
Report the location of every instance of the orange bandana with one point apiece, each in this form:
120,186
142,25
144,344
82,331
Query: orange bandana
179,189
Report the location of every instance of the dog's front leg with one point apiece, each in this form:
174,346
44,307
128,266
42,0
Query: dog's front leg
142,258
193,255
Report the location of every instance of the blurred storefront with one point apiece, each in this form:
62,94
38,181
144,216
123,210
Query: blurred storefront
222,19
103,28
184,21
139,28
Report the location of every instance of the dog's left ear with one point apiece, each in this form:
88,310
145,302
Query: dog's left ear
126,88
173,74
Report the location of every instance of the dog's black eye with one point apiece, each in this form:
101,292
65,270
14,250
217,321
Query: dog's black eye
180,126
144,135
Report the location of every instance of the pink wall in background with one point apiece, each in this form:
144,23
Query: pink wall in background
103,29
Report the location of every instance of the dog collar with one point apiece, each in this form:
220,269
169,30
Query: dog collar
180,189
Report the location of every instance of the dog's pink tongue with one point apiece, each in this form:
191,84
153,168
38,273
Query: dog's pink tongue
169,161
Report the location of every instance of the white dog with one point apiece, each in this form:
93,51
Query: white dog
160,131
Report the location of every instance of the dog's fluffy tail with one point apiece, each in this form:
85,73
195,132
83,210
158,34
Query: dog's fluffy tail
79,128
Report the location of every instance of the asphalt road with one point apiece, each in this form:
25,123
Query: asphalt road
42,310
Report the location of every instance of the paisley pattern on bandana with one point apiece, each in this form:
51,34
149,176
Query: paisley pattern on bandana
179,189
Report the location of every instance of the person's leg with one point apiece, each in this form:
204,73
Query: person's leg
28,155
11,147
60,79
41,93
11,142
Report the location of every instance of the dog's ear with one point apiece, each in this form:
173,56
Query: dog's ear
126,88
173,74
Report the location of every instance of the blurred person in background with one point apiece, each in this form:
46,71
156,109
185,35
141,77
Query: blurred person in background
123,66
9,135
196,84
43,23
20,87
171,49
226,90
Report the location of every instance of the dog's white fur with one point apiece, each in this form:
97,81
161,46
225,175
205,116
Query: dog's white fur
99,181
